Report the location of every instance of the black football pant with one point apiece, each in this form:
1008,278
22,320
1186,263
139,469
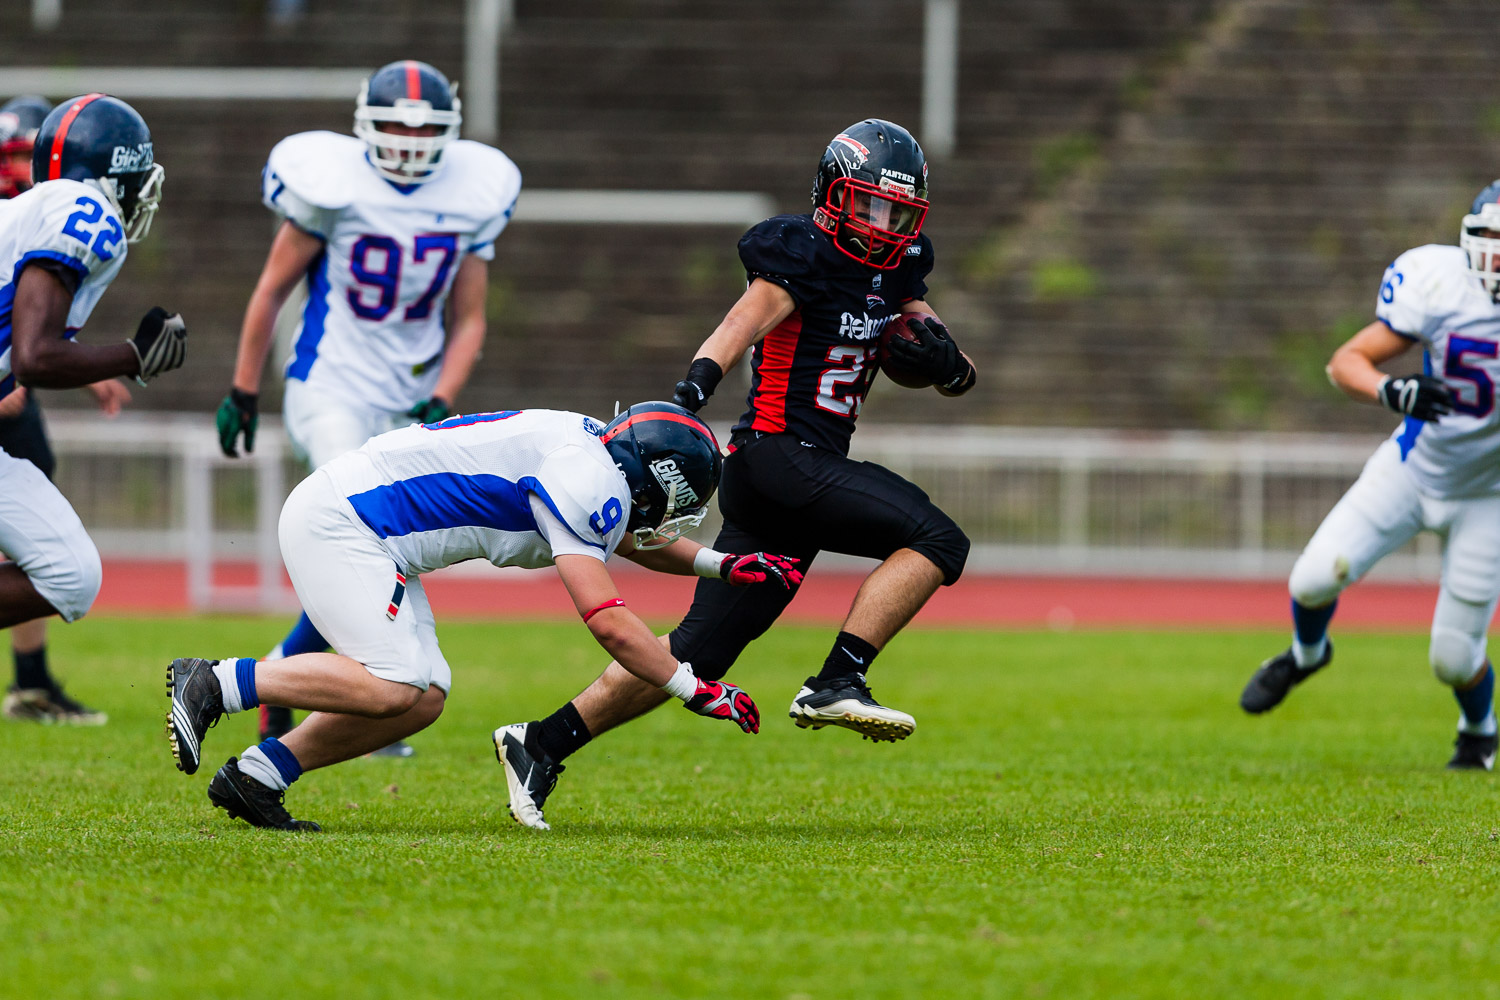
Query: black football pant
779,495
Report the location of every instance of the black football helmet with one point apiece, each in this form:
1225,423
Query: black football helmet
102,141
407,95
870,193
20,118
671,460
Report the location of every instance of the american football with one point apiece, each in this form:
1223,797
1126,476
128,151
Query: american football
899,326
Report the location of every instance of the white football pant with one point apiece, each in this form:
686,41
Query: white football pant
323,426
1384,510
346,581
41,533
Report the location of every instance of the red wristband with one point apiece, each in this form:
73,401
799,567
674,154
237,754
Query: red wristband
613,602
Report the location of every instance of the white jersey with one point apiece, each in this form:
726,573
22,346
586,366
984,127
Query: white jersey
516,488
372,329
1429,296
69,222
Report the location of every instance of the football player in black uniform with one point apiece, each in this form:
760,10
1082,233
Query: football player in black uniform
36,695
822,288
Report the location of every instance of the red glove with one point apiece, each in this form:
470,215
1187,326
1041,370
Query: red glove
718,700
758,567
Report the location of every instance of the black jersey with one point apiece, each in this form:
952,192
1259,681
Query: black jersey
810,375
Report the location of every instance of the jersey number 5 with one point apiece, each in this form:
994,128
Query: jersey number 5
384,276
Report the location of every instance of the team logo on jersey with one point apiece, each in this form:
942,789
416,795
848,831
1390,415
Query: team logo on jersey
593,426
866,327
668,475
874,302
861,151
875,281
914,250
131,159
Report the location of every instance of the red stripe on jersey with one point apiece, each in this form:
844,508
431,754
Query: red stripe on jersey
777,352
413,80
54,161
676,418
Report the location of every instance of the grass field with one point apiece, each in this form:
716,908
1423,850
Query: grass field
1082,814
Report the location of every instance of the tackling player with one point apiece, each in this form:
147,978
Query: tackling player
821,289
1440,471
61,244
36,695
386,226
517,488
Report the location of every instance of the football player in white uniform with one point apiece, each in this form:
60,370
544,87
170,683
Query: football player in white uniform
1440,471
386,226
61,244
516,488
36,695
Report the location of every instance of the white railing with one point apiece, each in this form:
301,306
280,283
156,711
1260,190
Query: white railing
1032,500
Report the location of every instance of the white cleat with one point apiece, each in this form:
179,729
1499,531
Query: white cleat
529,778
846,701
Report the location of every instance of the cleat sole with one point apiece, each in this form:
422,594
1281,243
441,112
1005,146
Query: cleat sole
874,730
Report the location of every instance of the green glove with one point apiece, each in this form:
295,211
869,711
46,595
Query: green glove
430,411
237,414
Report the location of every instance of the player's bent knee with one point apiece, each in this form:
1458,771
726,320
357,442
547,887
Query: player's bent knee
388,699
945,544
1456,656
71,579
1317,579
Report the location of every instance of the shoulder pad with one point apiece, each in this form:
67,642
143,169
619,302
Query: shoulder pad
490,179
315,166
783,244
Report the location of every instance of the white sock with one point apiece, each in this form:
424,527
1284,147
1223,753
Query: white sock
229,685
1485,728
258,766
1307,656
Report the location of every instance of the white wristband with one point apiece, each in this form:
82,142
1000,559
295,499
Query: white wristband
683,684
707,563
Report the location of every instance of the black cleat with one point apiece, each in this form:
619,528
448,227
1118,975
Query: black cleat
275,722
1275,678
846,701
245,798
1474,753
530,774
197,705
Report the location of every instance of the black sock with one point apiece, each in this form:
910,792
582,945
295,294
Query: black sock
560,735
850,655
31,669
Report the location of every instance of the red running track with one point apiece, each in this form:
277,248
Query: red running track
1058,602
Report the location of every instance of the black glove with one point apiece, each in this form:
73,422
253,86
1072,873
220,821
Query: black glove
160,344
702,378
933,355
238,413
430,411
1425,397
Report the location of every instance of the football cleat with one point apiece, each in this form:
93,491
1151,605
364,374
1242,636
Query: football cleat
242,797
400,748
846,701
197,705
1276,677
49,705
529,776
1472,752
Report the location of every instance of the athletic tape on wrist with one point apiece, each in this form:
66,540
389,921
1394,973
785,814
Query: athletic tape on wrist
708,563
613,602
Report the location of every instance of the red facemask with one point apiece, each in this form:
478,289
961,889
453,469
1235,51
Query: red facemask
871,223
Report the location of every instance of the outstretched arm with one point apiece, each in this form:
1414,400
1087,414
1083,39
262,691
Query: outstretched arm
635,648
759,311
686,557
40,355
